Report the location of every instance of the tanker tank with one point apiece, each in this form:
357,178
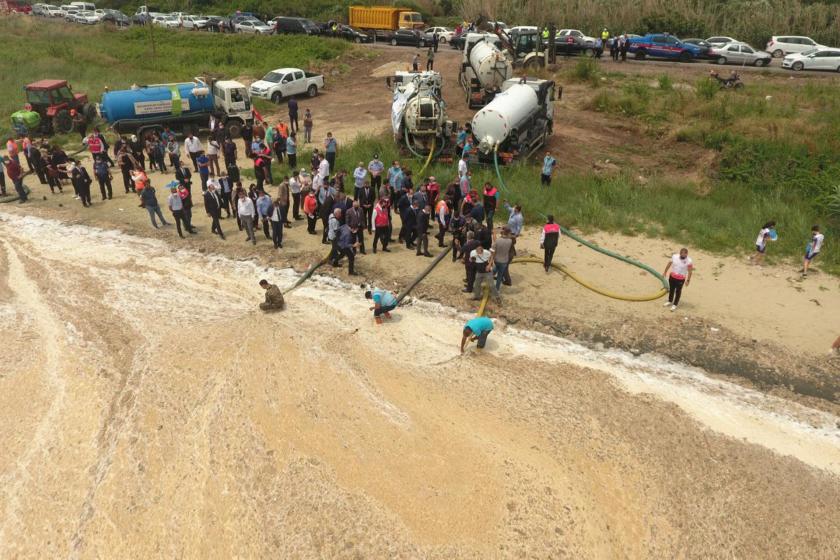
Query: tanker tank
152,102
484,68
418,112
517,121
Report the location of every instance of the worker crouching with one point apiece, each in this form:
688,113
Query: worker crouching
273,297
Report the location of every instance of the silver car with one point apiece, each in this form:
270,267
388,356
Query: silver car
740,53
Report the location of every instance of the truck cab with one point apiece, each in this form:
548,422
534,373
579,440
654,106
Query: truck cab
411,20
231,99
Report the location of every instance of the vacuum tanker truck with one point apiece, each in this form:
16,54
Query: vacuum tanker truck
418,112
185,106
484,68
517,122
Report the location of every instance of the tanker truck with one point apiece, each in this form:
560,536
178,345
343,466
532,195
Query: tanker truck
185,106
517,122
484,68
418,112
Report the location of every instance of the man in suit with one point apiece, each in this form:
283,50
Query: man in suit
366,200
213,205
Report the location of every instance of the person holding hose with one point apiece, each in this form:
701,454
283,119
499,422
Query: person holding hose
477,329
681,267
383,303
549,238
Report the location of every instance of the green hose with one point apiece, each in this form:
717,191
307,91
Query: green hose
589,244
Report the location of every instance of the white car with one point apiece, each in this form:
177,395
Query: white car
87,18
823,58
719,41
577,34
779,46
194,22
70,13
444,34
253,26
286,82
169,22
54,11
523,29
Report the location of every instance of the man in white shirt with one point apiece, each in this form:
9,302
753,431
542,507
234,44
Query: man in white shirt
324,168
681,267
462,166
482,260
246,212
194,147
359,176
813,249
376,167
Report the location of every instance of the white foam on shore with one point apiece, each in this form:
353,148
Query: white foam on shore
783,426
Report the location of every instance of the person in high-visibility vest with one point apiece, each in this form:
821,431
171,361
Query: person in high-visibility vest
545,33
605,35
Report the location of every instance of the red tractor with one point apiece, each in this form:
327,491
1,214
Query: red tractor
56,104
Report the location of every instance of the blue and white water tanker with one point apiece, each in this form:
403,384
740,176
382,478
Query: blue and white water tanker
185,106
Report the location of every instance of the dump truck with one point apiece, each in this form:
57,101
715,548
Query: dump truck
185,106
379,21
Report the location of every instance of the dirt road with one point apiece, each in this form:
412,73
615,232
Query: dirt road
147,409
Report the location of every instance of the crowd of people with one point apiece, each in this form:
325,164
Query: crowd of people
345,205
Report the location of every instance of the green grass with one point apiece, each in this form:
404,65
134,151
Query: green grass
724,220
92,58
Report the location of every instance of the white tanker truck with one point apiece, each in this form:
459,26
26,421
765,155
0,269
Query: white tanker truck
418,112
484,68
517,122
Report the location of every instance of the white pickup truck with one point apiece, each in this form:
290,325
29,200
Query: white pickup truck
287,82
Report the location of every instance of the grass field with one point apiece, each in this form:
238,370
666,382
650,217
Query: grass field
94,57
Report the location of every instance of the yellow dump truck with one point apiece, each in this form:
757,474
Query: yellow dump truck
384,18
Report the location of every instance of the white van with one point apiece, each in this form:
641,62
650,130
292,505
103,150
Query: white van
83,6
779,46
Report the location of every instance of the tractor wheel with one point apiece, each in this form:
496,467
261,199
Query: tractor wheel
62,122
89,111
534,64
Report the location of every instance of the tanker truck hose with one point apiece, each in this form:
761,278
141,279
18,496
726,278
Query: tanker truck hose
305,276
418,155
419,278
662,291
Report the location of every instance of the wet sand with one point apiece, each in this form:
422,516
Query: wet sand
148,409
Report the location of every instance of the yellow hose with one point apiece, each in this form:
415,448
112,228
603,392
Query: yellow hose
585,284
485,296
428,158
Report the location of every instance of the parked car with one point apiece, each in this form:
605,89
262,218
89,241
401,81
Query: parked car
719,41
741,53
286,82
253,26
70,13
663,45
523,29
54,11
295,25
779,46
350,33
570,44
577,34
815,59
216,24
444,34
410,37
194,22
116,17
87,18
703,44
39,9
169,22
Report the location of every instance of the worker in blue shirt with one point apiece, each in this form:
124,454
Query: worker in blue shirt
477,329
549,163
264,209
516,220
383,303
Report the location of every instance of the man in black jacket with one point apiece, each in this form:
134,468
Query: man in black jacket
81,181
366,201
409,229
422,231
213,206
325,212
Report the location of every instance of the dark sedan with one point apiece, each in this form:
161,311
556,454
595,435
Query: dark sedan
706,53
349,33
410,37
116,17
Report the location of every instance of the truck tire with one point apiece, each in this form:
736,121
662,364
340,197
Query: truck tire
534,64
62,122
234,128
312,91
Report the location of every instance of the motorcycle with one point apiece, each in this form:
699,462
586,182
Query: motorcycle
732,82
